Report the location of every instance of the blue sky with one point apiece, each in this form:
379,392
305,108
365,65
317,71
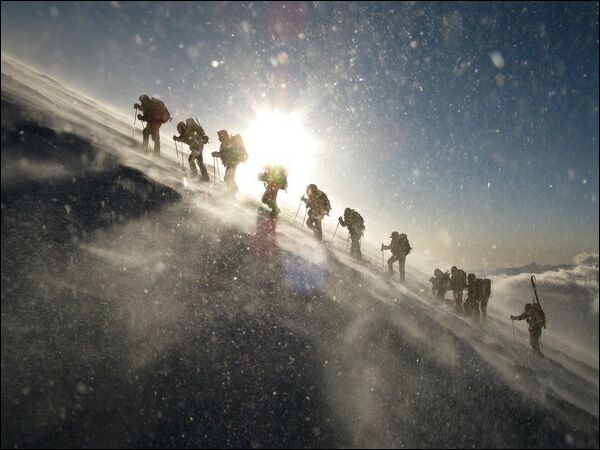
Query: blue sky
472,127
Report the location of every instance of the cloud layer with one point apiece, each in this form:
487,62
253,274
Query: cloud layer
569,297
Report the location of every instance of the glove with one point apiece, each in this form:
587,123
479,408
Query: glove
215,154
137,106
175,138
340,220
140,117
303,198
382,249
512,317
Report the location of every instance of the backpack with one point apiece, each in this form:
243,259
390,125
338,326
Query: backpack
405,245
537,317
440,281
462,279
158,111
479,290
240,154
195,131
445,280
194,127
276,176
358,220
487,287
282,178
324,204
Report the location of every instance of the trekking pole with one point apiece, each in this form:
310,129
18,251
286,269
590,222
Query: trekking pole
214,170
134,119
382,257
177,152
181,155
304,220
297,211
347,239
513,327
336,227
218,168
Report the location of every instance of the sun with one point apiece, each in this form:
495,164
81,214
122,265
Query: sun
274,137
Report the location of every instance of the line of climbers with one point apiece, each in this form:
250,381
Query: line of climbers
478,291
475,304
233,152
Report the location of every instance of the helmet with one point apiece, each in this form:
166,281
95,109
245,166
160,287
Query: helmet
222,133
144,98
181,127
394,234
347,211
311,188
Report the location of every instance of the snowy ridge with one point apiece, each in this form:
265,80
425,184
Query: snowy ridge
151,313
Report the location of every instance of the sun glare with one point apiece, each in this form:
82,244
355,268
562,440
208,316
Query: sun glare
278,138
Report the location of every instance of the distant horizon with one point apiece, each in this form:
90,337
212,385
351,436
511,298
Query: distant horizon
431,119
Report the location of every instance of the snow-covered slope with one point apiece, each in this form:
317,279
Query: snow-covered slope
138,311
